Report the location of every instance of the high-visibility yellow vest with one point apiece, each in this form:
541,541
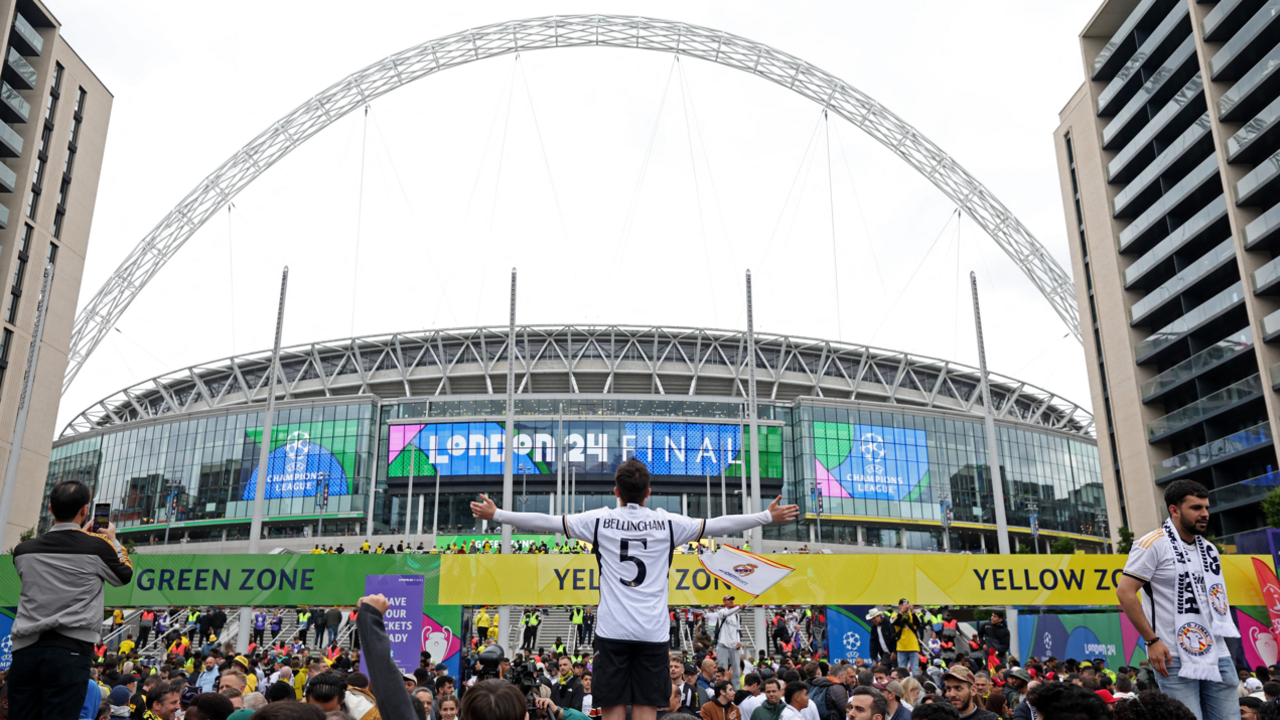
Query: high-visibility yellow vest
577,616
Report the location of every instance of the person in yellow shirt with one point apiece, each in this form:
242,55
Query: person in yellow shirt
127,645
908,623
300,682
316,550
482,624
364,547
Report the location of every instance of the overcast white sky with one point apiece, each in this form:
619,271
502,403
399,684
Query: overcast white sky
457,190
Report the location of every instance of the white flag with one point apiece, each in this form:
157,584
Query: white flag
748,572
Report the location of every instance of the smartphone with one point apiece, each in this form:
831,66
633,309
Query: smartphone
101,516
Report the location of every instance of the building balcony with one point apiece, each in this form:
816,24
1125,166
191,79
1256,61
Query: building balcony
1266,279
1248,45
1211,452
1252,91
1164,82
25,38
1245,492
13,108
1212,268
1162,41
18,72
10,142
1225,399
8,179
1198,317
1212,357
1271,327
1182,109
1226,18
1193,191
1258,138
1124,42
4,217
1262,185
1156,265
1183,154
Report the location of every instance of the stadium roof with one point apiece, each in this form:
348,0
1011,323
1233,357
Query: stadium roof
589,360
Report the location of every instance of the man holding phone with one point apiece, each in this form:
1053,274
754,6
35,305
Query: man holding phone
60,608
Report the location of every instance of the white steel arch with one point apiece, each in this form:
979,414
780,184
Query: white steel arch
102,311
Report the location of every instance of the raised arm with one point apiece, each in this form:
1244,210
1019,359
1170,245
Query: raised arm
486,509
733,524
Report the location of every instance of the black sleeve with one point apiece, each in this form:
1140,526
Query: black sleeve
385,679
119,567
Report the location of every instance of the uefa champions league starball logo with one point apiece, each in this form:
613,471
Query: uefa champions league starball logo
872,449
296,450
852,642
1048,643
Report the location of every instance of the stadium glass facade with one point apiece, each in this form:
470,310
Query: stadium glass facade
866,474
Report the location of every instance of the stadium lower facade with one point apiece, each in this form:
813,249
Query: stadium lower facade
398,433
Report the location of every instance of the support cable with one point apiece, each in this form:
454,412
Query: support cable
697,194
497,180
435,267
546,161
644,169
857,202
786,202
355,269
831,207
504,95
902,292
955,291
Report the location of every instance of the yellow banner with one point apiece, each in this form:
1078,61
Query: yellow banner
862,579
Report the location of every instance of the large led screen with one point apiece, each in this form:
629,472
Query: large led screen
870,461
668,448
305,459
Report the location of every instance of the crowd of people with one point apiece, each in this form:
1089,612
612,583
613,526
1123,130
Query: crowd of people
922,664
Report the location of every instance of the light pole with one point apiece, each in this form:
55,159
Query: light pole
173,501
322,500
1100,517
1034,508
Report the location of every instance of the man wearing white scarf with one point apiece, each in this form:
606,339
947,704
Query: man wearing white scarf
1174,594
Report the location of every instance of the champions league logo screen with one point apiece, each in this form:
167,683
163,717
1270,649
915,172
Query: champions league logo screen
300,468
870,461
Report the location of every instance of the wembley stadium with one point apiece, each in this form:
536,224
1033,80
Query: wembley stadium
394,435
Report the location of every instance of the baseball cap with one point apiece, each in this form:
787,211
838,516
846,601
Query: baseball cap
903,600
119,696
895,687
1106,696
442,666
1086,664
689,669
410,678
1021,674
961,673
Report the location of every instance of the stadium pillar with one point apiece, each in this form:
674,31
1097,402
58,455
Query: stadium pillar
508,458
24,405
753,419
993,456
264,454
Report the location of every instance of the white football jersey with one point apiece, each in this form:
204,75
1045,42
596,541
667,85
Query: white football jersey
634,545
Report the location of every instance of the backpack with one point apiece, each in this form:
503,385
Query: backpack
818,695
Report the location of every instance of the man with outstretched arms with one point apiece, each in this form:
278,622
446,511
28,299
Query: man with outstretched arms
633,545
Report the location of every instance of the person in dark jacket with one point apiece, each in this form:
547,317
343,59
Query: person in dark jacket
386,682
883,640
566,690
59,616
996,634
332,621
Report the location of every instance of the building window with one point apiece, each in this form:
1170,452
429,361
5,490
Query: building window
54,93
62,192
57,222
33,198
80,102
19,273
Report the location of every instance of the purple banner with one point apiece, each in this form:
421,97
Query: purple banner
403,617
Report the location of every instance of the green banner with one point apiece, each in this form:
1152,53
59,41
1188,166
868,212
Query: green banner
232,580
